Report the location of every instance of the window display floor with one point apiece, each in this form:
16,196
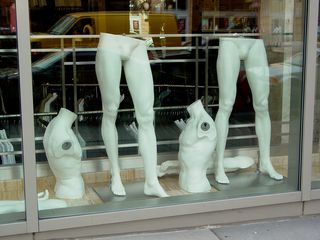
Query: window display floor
98,197
99,182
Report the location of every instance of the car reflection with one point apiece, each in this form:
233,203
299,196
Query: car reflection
290,69
93,23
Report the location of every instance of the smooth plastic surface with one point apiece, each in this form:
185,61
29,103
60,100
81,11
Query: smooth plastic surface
253,53
64,155
115,52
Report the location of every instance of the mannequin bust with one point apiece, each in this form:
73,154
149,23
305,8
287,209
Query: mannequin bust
231,52
64,155
196,152
115,52
197,144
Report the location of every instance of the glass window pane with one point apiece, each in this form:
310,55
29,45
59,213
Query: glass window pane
12,206
98,107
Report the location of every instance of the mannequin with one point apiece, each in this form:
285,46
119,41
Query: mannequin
9,206
231,52
197,144
64,155
115,51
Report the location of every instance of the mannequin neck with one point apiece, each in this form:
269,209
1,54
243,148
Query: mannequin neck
68,116
195,108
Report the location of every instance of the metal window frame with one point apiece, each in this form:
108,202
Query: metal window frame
42,228
180,221
309,98
213,207
13,228
27,119
167,211
31,223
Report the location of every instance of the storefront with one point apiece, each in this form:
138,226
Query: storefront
186,113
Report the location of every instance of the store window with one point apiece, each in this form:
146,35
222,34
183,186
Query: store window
199,99
12,205
316,133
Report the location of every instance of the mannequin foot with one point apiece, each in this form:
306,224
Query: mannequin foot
167,167
154,189
43,195
268,169
222,178
117,188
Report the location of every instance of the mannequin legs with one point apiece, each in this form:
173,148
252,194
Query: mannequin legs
140,82
139,78
228,66
252,51
258,77
108,69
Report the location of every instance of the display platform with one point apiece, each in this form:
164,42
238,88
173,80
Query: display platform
243,182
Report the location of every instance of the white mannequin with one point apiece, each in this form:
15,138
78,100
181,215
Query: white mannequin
115,51
197,144
9,206
64,155
252,51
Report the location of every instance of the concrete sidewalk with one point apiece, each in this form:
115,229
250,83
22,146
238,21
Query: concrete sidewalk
300,228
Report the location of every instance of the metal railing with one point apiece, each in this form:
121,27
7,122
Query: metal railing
199,50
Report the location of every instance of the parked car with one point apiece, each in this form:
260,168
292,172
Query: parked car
93,23
48,68
291,68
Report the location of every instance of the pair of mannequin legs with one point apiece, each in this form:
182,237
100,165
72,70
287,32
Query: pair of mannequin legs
231,52
115,52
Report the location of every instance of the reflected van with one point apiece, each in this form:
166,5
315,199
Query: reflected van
93,23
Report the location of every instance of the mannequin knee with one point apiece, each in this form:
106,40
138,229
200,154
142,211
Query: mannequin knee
146,118
226,105
110,112
261,106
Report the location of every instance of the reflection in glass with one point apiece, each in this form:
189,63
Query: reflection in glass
184,70
62,26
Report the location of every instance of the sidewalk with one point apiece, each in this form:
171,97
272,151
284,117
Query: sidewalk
300,228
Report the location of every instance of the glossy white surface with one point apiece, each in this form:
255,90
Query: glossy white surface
252,52
197,143
64,155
